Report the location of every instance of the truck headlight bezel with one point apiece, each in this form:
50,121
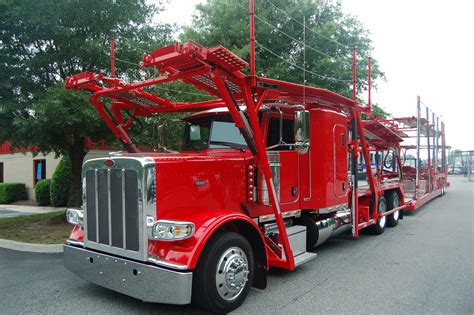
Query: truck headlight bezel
165,230
75,216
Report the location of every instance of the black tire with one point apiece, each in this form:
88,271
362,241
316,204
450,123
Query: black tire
207,293
312,233
379,226
393,201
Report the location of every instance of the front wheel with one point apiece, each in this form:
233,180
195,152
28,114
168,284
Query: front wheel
224,273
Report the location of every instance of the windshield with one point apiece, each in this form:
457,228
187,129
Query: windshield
214,132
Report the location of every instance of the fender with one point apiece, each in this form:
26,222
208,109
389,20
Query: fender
187,252
77,233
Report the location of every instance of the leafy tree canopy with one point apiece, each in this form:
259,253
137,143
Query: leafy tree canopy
281,34
41,43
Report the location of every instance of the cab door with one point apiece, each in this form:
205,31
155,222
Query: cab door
282,155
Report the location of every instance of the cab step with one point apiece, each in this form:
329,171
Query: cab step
297,239
305,257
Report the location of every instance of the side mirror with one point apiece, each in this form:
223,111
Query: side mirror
161,135
302,130
167,135
194,132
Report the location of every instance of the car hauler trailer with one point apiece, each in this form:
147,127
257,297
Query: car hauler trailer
268,171
427,177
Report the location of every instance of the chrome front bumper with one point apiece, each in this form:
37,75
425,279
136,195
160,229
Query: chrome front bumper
145,282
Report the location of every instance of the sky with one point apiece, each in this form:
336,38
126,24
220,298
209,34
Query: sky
425,48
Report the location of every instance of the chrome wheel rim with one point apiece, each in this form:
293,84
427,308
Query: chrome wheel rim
232,273
382,209
396,204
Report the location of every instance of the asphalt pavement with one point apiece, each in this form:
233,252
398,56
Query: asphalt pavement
424,265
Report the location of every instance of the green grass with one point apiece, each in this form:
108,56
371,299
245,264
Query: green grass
44,228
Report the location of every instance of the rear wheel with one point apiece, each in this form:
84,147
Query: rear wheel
393,202
224,273
379,226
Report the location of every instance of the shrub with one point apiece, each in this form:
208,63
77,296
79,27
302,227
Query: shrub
60,183
42,192
10,192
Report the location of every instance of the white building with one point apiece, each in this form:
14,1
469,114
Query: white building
19,166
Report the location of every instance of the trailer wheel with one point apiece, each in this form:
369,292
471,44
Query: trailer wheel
224,273
379,226
443,191
393,202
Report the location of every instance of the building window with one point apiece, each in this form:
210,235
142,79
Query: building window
1,173
39,168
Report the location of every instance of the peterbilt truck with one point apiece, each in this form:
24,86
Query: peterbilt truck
267,171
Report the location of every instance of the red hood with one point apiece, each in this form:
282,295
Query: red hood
202,155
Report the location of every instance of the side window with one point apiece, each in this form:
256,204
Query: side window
39,168
287,135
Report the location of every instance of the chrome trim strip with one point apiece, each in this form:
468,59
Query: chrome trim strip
337,207
286,214
96,183
124,230
84,205
74,242
163,263
109,206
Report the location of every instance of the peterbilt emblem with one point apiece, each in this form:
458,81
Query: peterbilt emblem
109,162
200,182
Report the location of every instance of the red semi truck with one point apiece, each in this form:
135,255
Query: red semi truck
268,171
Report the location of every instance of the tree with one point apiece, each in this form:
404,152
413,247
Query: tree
41,43
328,40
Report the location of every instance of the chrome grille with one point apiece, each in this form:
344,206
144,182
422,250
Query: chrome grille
112,208
117,201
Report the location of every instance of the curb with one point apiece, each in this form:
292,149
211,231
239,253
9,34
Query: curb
31,209
30,247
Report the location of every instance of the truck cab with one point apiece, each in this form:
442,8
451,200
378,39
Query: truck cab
163,209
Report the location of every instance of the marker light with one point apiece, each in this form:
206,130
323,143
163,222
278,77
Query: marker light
75,216
170,230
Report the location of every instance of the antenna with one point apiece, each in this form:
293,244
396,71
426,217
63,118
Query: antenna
354,77
252,36
369,82
304,59
112,56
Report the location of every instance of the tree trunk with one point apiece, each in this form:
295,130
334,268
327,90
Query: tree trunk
77,154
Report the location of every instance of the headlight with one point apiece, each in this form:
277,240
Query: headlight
170,230
75,216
